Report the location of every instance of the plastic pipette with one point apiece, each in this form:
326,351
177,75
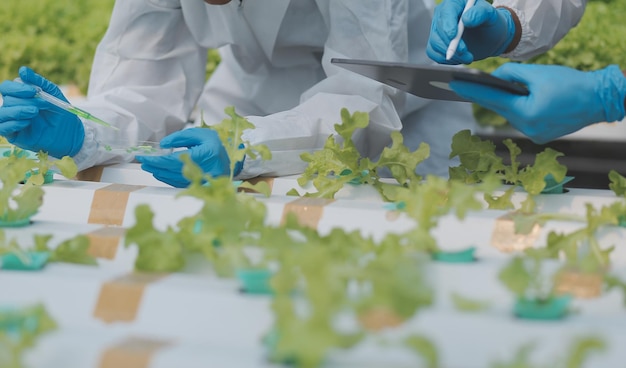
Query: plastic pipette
71,108
68,107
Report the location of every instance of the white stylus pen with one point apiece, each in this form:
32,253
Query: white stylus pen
459,31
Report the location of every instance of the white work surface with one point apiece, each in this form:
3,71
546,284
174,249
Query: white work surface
207,322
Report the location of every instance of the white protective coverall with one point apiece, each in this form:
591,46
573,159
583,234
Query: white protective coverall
544,23
149,73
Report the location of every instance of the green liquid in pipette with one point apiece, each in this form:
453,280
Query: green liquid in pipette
68,107
85,115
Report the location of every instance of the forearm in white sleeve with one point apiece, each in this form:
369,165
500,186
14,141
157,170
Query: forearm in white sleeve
86,157
544,23
355,32
306,128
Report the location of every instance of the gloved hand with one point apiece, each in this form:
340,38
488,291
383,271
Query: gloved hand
205,149
34,124
488,31
561,100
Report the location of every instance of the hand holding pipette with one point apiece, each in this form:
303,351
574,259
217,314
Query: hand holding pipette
70,108
30,122
465,31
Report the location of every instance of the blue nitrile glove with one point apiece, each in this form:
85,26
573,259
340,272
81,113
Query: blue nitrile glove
488,31
562,100
34,124
205,149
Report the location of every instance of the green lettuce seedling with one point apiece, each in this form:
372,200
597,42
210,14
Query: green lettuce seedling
593,257
339,161
18,202
66,166
427,201
578,353
226,222
221,227
19,331
315,271
478,159
465,304
617,184
159,251
424,348
536,296
230,132
73,250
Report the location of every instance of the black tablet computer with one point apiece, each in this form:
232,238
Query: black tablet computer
427,81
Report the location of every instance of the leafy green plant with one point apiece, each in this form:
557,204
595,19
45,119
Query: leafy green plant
320,279
212,231
159,251
339,161
524,278
18,202
578,353
19,331
425,349
65,166
581,248
429,200
617,184
230,132
73,250
312,269
614,282
333,277
478,160
466,304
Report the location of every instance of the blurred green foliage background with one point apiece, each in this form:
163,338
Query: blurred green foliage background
597,41
58,39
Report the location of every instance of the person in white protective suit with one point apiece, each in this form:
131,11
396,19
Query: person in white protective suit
149,74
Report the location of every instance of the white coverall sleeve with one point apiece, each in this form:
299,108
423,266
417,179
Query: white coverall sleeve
372,29
146,77
544,23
